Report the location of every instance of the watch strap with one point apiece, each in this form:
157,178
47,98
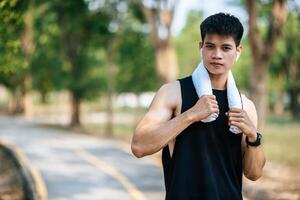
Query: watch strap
257,142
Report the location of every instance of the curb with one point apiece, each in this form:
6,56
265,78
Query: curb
33,184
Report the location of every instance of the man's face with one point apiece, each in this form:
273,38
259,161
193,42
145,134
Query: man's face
219,53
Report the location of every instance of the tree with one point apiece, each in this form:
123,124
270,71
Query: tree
15,48
77,27
135,57
186,44
262,50
136,73
48,61
285,64
159,16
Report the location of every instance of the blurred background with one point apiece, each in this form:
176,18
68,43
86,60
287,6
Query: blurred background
77,75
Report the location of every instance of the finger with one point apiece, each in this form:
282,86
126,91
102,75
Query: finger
238,124
236,119
213,107
235,114
215,110
235,110
213,97
214,102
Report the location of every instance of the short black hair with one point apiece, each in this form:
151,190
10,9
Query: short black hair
223,24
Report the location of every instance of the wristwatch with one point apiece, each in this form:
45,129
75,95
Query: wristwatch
256,142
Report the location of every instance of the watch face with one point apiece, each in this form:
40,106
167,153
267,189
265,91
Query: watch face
259,136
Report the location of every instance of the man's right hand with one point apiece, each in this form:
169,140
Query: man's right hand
205,106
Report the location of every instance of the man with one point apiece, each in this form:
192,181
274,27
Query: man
204,160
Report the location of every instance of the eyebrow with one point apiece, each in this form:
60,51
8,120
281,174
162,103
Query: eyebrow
225,44
209,43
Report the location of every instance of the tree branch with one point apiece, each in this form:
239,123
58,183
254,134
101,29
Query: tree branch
150,17
278,18
254,36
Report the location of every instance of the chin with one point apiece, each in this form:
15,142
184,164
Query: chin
216,71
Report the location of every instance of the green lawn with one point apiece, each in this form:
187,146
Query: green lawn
121,131
281,141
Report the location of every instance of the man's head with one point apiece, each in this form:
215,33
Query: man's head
222,24
221,35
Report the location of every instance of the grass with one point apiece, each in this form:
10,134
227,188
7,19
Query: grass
120,131
282,140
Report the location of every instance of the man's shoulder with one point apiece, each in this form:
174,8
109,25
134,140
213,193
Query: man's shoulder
247,103
170,92
173,86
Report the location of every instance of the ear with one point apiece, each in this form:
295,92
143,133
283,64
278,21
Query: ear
200,45
238,52
200,49
237,56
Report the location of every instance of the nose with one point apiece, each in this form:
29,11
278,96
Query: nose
217,54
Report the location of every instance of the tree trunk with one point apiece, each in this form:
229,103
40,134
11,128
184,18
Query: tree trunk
137,110
75,110
27,97
262,50
166,63
258,88
160,19
295,105
15,105
109,130
294,88
73,58
109,116
279,104
28,48
44,99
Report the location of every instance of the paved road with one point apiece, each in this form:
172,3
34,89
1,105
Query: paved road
79,167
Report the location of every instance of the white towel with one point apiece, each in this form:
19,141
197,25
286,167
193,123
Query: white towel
202,85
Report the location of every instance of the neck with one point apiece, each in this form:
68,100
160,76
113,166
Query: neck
218,81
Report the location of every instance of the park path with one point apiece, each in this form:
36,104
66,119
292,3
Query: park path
79,167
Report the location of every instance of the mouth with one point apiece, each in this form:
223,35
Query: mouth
216,64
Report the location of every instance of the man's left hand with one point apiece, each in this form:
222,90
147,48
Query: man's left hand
240,119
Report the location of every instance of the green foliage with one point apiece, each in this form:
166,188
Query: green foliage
47,62
187,44
242,68
11,13
136,63
134,53
12,65
287,51
76,65
73,45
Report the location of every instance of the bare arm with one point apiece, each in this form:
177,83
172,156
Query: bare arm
157,128
253,159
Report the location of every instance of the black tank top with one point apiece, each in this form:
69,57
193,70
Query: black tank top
207,158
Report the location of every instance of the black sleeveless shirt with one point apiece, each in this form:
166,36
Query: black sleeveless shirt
207,158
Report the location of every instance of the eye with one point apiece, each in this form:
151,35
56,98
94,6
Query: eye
226,48
209,46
